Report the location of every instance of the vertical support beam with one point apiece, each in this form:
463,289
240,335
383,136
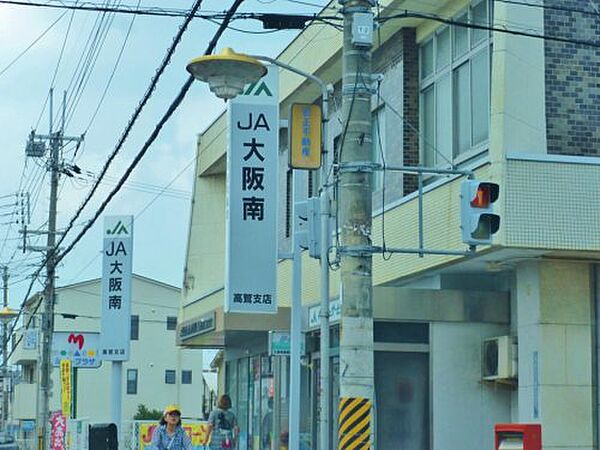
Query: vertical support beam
325,394
115,394
48,315
296,321
4,351
356,164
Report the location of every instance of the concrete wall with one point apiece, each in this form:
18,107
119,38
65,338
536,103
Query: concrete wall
464,409
556,381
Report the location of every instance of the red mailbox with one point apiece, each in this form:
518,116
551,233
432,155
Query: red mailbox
518,436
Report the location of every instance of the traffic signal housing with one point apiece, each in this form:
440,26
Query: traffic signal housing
477,219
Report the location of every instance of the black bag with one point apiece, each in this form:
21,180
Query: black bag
224,424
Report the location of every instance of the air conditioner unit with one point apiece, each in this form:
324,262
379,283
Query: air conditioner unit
499,359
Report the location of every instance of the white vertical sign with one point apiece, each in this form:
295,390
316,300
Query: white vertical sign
252,182
116,288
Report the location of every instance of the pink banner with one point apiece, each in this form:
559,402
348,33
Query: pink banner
58,430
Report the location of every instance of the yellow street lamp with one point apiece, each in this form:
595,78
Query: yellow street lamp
227,73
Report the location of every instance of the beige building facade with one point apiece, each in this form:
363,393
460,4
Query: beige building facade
518,111
157,374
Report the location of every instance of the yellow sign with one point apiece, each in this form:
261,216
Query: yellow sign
65,386
305,136
197,431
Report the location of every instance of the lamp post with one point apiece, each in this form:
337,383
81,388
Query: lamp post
6,316
227,73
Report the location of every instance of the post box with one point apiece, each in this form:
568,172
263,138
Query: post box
518,436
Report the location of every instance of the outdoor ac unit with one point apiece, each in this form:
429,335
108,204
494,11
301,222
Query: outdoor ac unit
499,359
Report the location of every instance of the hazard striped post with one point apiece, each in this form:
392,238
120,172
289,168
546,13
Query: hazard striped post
355,429
355,424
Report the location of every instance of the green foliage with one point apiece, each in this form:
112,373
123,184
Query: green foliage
143,413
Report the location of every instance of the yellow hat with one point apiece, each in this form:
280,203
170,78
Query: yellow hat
172,408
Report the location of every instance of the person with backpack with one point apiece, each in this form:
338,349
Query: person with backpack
222,425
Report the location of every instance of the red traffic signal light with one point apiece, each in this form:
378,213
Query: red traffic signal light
477,219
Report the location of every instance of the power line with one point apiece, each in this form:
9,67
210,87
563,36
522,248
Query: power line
419,15
114,70
550,7
151,139
136,114
172,108
35,41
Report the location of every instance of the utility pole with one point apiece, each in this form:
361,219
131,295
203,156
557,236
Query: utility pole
48,316
36,147
4,351
356,166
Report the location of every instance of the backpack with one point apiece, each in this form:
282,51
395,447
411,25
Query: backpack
224,424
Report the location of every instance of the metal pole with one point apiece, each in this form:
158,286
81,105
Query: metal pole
324,313
296,323
356,165
115,394
4,353
276,412
48,316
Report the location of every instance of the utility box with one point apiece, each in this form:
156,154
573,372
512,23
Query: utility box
518,436
103,436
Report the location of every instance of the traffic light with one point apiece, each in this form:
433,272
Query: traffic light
477,219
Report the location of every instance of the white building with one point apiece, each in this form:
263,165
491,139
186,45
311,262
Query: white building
158,373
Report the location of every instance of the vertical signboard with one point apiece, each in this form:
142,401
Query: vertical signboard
65,386
252,181
305,136
116,288
58,430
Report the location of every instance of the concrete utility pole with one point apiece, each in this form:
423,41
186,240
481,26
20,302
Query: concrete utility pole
356,165
4,351
48,315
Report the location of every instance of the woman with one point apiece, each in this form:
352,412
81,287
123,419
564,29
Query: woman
170,435
222,425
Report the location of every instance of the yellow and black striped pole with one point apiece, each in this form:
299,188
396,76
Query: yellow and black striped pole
355,424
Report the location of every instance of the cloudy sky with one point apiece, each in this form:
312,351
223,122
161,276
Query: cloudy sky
31,39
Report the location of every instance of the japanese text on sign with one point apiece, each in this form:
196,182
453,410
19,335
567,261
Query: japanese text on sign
252,171
116,288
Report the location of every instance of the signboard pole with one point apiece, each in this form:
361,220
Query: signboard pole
115,393
296,321
116,303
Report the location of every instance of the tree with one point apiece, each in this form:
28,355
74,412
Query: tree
143,413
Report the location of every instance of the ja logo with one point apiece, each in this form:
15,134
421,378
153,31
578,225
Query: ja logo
119,229
257,89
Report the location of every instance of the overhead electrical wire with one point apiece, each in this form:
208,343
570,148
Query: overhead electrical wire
448,21
30,46
149,91
114,70
176,102
549,7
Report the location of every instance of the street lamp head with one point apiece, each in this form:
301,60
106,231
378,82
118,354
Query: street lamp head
227,73
7,314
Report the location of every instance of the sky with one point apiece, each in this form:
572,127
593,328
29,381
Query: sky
160,222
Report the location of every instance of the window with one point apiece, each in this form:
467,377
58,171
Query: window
132,381
135,328
455,89
378,147
170,376
171,323
186,377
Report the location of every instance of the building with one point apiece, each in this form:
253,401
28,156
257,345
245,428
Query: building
158,373
520,111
